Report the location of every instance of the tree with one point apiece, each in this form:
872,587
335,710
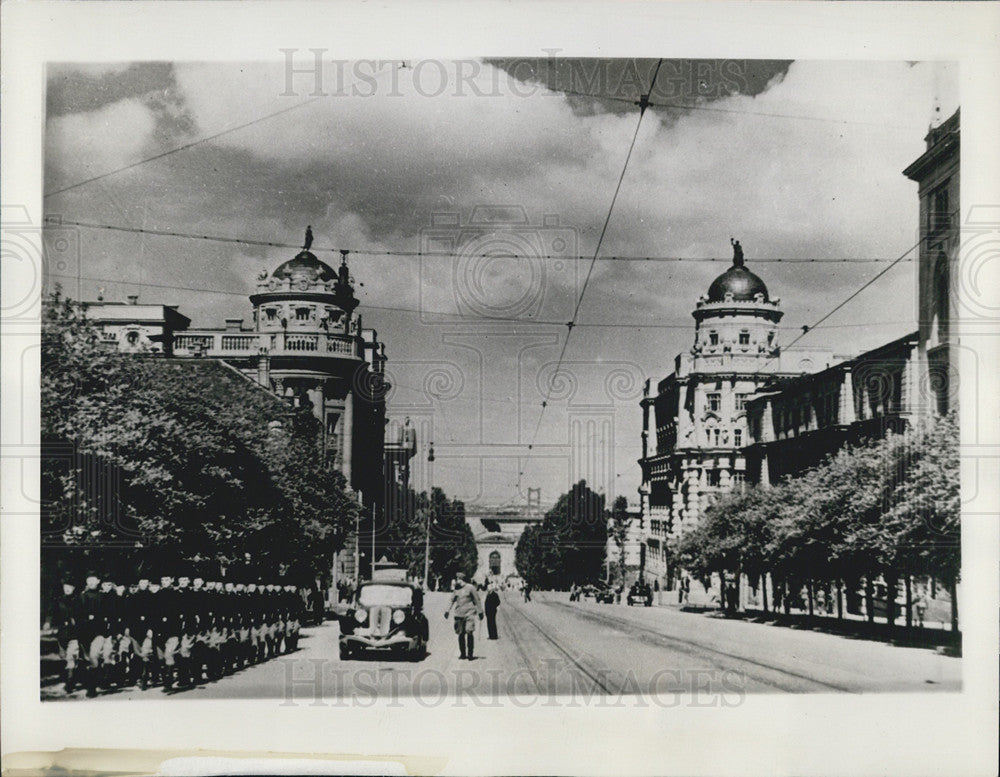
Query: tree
569,545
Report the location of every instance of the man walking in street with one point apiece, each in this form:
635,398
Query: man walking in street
465,602
492,603
67,636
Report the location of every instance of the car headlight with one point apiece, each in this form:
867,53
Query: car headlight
360,615
398,616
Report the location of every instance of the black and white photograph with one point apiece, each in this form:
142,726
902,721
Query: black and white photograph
504,382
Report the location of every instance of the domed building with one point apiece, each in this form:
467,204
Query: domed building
694,420
307,344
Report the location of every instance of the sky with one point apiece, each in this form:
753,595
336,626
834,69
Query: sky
798,160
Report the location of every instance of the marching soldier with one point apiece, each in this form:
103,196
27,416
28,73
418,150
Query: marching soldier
108,621
216,630
122,640
187,627
89,628
67,636
294,608
168,633
141,609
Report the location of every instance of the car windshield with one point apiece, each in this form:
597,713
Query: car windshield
390,595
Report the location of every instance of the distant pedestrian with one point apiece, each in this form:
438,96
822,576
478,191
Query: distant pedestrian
492,604
466,605
527,592
920,607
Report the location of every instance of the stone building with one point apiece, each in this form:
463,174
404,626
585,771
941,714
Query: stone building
694,420
936,172
795,423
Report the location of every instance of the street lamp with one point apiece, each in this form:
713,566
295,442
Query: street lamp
430,512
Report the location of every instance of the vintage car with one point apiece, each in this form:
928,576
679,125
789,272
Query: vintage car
601,593
385,616
640,593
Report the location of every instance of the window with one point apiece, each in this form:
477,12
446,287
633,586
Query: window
713,338
741,402
715,402
739,477
272,314
301,314
132,337
714,477
937,213
744,338
738,438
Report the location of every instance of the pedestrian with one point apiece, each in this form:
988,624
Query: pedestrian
920,607
491,605
466,605
527,592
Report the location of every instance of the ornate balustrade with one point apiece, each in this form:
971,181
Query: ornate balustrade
277,344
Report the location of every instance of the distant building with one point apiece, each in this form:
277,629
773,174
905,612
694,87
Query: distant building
497,531
694,421
794,423
131,327
936,172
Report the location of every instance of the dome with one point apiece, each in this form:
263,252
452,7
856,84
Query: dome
305,266
743,284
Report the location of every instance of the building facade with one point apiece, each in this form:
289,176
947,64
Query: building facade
936,173
796,422
694,421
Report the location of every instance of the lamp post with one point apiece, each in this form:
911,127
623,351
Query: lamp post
430,513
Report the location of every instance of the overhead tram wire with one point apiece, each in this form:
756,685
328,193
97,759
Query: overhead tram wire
643,103
186,146
178,149
807,329
371,251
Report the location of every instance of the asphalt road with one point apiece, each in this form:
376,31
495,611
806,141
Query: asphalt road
554,651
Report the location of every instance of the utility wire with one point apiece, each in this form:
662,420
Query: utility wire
643,104
455,317
178,149
57,221
766,114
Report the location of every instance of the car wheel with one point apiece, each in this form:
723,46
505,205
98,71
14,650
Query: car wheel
345,652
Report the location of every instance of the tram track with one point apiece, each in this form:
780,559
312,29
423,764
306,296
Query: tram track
724,660
575,660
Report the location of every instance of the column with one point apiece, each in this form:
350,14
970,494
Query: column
347,435
847,414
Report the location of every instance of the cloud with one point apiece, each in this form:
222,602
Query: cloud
82,145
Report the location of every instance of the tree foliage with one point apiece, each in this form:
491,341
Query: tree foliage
888,507
569,545
403,537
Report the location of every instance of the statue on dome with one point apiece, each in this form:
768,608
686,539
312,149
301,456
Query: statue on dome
737,253
309,238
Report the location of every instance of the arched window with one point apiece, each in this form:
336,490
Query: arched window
495,562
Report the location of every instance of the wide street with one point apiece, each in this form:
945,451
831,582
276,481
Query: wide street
590,653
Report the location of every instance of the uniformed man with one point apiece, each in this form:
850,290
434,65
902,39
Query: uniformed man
168,632
141,606
242,624
294,616
216,630
90,629
67,636
231,643
108,621
255,611
155,622
187,627
123,658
